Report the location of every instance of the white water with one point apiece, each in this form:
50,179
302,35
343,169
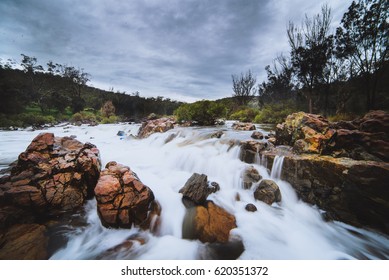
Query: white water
288,230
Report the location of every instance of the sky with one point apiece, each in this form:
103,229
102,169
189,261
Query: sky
185,50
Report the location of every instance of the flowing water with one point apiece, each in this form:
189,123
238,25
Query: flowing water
291,229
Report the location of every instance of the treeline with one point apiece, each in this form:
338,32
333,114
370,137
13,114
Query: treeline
32,94
340,72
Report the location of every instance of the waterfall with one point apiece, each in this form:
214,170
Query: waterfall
277,167
289,230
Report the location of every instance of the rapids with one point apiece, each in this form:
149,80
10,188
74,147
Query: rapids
291,229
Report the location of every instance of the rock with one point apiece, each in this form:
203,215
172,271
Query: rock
222,251
208,223
257,135
123,200
158,125
251,207
243,126
124,250
23,242
217,134
374,121
197,188
250,176
366,138
343,187
313,131
268,192
152,116
250,149
53,175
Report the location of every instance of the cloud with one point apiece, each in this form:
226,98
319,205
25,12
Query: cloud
182,49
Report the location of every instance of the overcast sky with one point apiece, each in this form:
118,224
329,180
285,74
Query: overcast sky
182,49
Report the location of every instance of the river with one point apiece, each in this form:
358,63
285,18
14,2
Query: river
287,230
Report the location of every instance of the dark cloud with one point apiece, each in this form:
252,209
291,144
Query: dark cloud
180,49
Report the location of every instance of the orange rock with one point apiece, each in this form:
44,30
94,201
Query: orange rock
212,223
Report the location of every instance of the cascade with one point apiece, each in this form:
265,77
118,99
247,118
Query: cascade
291,229
277,167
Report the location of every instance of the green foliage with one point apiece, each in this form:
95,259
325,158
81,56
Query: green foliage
342,117
110,119
203,112
275,112
84,117
245,115
25,119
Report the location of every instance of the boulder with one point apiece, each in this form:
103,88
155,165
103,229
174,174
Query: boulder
155,125
257,135
217,134
268,192
123,200
250,176
243,126
251,207
249,150
366,138
197,188
208,223
23,242
313,131
53,175
345,188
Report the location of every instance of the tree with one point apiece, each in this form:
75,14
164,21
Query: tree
279,85
77,80
363,41
243,87
311,47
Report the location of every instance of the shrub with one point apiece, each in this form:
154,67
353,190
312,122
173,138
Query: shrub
203,112
342,117
84,117
110,119
275,112
245,115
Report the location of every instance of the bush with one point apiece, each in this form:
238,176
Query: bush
203,112
84,117
245,115
342,117
275,112
110,119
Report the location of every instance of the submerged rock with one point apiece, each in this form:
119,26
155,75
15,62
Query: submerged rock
243,126
197,188
208,223
268,192
53,175
124,201
217,134
23,242
257,135
250,149
155,125
251,207
250,176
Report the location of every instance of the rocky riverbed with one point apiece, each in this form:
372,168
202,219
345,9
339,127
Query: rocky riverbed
224,192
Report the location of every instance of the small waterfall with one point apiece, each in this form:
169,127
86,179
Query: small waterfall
277,167
289,230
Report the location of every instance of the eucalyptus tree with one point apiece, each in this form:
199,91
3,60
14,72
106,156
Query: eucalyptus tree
363,43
